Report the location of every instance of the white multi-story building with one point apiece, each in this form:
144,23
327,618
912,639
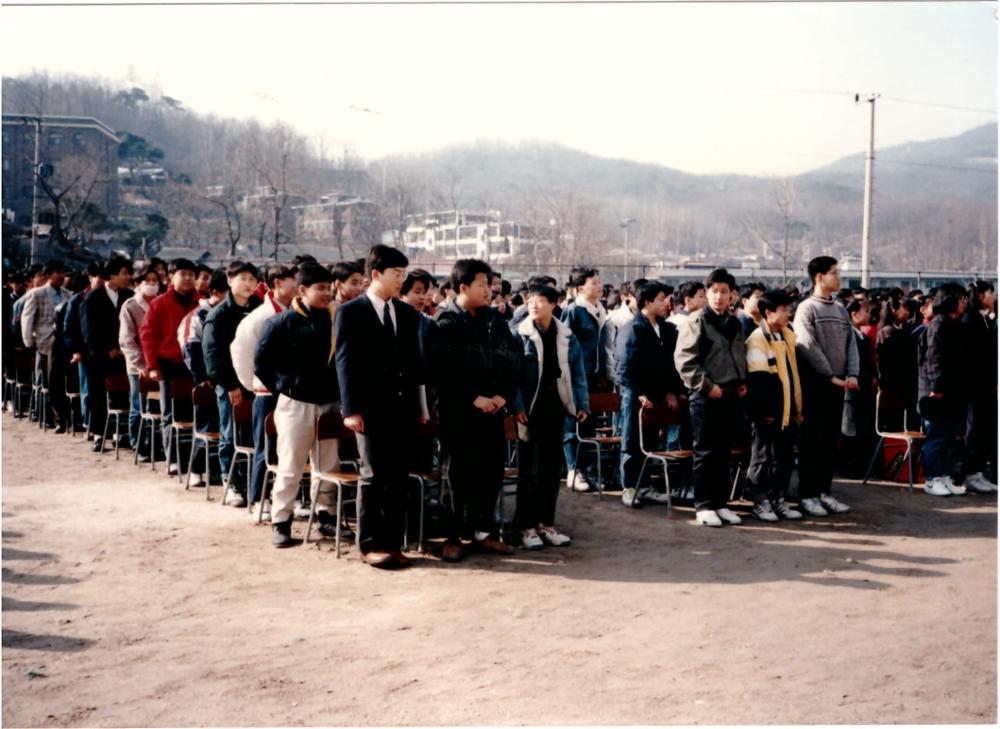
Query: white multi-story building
453,234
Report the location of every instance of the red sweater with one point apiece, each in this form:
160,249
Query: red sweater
158,333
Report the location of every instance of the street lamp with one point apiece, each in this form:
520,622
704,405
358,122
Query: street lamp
625,224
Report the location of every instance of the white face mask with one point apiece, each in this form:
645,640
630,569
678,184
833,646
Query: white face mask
149,289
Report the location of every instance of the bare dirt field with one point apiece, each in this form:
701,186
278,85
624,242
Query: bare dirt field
130,602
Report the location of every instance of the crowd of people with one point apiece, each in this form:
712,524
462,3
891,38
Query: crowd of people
702,375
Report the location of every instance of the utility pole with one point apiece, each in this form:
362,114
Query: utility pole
34,190
866,224
625,224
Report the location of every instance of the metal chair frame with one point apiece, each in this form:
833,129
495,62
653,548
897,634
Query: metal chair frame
910,437
115,386
330,426
148,390
203,396
600,404
242,416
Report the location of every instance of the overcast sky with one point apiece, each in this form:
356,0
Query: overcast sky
654,83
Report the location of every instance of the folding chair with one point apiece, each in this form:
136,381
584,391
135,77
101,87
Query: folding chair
271,462
429,471
149,392
203,398
18,382
601,404
73,397
331,426
242,444
116,393
895,400
510,473
659,416
181,425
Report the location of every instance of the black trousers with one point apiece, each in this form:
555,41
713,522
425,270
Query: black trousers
476,449
52,372
981,436
539,462
822,413
382,490
715,425
170,371
771,459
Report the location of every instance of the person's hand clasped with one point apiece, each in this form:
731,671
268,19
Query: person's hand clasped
355,423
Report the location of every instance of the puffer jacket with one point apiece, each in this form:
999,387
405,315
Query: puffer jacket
572,382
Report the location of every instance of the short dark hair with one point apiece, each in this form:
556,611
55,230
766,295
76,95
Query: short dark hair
747,289
820,265
688,290
219,281
235,268
720,276
311,273
465,271
579,275
157,261
417,275
277,272
54,266
771,299
95,269
181,264
947,297
302,258
548,292
114,266
144,271
202,268
381,257
648,291
343,270
542,280
978,288
856,305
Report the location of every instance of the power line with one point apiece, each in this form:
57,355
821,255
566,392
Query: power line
940,106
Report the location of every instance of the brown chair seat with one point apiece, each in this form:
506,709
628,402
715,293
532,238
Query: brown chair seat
182,424
672,454
604,439
342,476
510,473
207,436
905,434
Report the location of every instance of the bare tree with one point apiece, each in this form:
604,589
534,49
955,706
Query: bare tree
269,159
784,198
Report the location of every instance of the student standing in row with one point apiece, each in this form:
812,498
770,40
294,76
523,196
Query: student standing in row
711,360
644,364
218,333
829,354
553,386
474,358
380,373
133,311
774,403
295,360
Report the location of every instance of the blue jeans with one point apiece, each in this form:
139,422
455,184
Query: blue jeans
84,394
134,411
263,405
225,429
631,455
939,446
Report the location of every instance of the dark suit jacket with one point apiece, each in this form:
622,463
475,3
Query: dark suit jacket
99,322
380,375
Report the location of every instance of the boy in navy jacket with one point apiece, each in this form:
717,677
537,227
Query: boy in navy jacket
644,365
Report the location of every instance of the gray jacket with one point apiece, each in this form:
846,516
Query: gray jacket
826,338
704,357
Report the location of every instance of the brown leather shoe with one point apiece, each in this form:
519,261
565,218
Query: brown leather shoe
379,559
493,546
401,559
452,552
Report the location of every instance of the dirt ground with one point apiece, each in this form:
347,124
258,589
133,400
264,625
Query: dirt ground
130,602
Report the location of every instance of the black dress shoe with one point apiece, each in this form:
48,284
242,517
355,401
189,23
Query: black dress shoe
281,534
328,526
60,429
98,446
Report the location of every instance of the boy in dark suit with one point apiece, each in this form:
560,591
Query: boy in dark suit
378,367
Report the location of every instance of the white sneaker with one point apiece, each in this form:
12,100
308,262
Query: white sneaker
299,511
784,511
764,512
197,480
980,484
707,517
552,537
812,507
580,483
728,516
630,499
236,499
833,506
936,487
172,469
530,539
952,487
653,496
266,516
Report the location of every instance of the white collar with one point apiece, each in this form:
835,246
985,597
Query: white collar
596,311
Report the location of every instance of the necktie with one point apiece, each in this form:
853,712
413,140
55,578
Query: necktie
387,318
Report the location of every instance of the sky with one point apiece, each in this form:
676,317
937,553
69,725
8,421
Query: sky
704,88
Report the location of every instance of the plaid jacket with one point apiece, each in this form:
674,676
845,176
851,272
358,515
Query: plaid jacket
38,318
